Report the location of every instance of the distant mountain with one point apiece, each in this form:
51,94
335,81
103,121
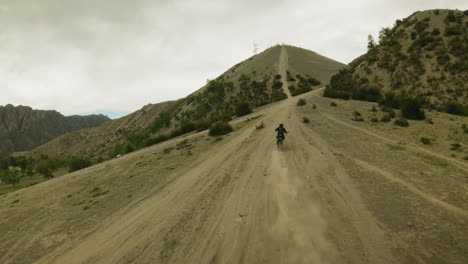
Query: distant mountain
101,140
424,55
22,128
270,76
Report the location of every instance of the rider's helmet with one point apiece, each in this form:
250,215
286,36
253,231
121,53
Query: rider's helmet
281,124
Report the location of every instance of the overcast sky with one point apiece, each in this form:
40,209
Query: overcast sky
114,56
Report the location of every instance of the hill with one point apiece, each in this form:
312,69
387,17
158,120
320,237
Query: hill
22,128
254,82
423,56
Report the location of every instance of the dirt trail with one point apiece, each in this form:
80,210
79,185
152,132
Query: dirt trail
282,69
249,203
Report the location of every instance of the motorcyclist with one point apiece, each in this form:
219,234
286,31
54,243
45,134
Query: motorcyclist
280,131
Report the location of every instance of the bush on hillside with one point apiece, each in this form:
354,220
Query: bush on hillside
78,163
456,108
411,109
401,122
367,92
220,128
426,141
341,85
301,102
385,118
243,109
203,125
314,82
156,140
357,116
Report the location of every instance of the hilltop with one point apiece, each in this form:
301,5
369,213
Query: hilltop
23,128
254,82
423,56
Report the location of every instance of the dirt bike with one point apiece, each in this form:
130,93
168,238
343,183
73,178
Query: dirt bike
279,143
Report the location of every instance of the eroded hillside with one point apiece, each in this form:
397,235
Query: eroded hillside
22,128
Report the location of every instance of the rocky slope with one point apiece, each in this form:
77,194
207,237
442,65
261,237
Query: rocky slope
256,81
424,55
22,128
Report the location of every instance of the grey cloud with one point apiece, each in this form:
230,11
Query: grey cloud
118,55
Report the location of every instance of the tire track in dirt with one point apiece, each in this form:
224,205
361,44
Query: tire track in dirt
282,70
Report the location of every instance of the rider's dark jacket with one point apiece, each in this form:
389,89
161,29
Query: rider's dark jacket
280,132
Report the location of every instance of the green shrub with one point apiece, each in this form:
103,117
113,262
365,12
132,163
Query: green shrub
367,92
390,100
163,120
341,85
411,109
187,126
277,84
465,128
220,128
401,122
243,109
456,108
305,120
313,81
156,140
455,146
385,118
426,141
78,163
301,102
374,119
357,116
203,125
454,30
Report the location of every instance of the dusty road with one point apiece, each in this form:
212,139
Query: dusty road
334,194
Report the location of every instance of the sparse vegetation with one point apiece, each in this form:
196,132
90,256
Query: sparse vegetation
333,104
414,62
305,120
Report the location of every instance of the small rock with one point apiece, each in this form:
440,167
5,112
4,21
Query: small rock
242,215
